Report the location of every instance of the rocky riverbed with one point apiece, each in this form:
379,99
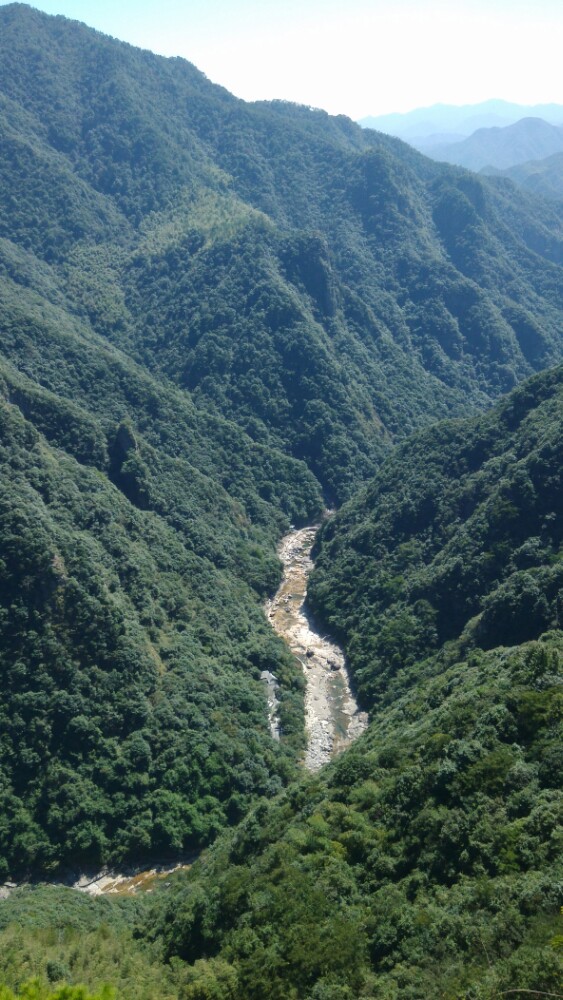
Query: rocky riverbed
130,881
108,881
333,719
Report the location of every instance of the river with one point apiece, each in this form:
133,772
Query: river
332,717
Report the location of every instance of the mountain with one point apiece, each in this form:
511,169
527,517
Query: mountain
527,139
215,317
424,861
349,235
457,540
423,126
543,177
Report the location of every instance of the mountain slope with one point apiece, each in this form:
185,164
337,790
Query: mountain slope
214,317
527,139
543,177
425,861
237,243
130,598
458,539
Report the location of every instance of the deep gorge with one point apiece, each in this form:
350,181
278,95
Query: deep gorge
216,320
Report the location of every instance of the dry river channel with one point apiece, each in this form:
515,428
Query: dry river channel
333,720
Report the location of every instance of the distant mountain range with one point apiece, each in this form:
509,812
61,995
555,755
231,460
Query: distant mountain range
528,139
496,138
426,127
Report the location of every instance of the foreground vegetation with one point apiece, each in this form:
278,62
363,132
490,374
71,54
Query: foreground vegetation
425,862
61,939
35,990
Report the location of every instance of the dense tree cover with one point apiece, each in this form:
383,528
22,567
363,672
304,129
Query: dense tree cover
212,314
36,990
133,717
66,940
325,286
137,546
426,860
458,538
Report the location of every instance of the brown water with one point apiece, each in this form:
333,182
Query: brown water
128,882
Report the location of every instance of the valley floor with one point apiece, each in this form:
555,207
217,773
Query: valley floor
333,719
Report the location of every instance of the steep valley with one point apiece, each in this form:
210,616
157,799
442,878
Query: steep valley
217,319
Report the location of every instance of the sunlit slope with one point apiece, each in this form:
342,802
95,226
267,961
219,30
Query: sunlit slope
458,539
425,861
323,285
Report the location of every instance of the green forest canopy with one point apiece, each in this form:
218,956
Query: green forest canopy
216,318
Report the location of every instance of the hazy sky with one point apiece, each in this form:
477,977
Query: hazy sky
355,57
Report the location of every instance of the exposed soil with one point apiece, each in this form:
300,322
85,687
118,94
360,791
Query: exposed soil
108,881
128,883
333,719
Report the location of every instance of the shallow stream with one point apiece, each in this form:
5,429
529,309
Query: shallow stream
333,719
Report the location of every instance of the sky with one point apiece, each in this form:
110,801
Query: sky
353,57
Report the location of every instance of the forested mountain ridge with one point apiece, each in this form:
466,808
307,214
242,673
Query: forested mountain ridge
426,860
137,545
321,284
130,618
214,316
457,540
